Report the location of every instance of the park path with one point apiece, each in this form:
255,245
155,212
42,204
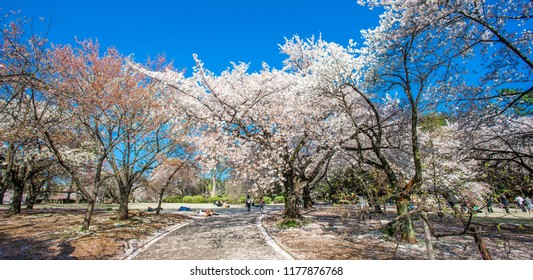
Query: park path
234,236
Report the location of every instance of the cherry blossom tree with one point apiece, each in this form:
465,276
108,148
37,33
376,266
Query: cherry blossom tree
491,37
122,113
504,141
169,172
266,124
21,63
452,177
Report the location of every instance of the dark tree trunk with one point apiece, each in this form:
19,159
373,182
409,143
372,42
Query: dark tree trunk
123,201
482,247
123,209
18,190
292,210
33,191
2,194
406,228
308,201
30,200
88,214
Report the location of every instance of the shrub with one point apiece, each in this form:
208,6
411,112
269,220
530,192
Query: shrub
279,199
241,199
286,224
268,200
198,199
229,199
172,199
187,199
214,199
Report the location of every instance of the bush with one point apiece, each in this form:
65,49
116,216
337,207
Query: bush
198,199
214,199
241,200
279,199
172,199
286,224
268,200
187,199
228,199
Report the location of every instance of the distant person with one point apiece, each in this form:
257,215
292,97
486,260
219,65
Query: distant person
505,203
529,204
261,203
489,204
520,203
248,202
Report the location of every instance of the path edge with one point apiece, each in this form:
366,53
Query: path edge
156,238
271,241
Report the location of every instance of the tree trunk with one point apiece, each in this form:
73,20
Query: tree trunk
123,208
160,200
30,200
88,214
427,237
18,190
482,247
2,194
33,191
123,201
214,182
292,210
308,201
406,228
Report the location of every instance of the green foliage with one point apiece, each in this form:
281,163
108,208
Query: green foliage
241,199
228,199
293,223
214,199
198,199
172,199
187,199
289,224
432,121
388,232
279,199
524,106
268,200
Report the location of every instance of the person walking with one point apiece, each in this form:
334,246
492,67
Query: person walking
261,203
505,203
489,204
520,203
529,204
248,202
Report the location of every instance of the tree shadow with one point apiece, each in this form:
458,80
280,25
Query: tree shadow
14,248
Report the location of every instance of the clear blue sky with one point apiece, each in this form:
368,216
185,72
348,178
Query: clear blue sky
218,31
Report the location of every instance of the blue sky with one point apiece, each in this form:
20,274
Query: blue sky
218,31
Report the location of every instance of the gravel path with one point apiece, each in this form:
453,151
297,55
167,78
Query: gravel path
235,236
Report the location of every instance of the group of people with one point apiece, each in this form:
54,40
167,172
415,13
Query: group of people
222,204
250,202
524,204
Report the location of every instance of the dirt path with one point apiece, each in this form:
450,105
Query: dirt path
235,236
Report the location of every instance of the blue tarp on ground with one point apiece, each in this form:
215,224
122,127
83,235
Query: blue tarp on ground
183,208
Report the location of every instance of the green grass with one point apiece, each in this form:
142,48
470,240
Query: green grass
293,223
